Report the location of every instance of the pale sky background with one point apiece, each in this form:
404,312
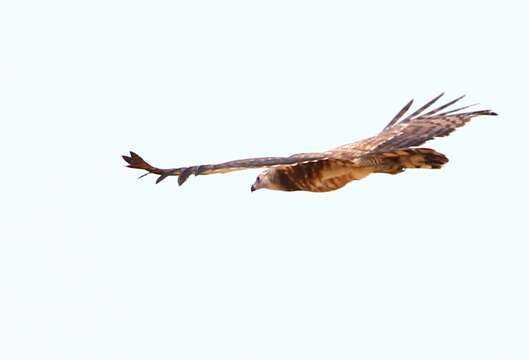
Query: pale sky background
97,265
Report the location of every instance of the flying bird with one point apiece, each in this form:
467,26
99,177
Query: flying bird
391,151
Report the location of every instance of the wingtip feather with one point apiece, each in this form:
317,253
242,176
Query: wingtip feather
161,178
185,175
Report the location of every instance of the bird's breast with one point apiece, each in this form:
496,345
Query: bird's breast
320,176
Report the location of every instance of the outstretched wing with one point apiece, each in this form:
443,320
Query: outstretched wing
136,162
414,129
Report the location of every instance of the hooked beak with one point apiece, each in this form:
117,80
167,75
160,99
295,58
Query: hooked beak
253,188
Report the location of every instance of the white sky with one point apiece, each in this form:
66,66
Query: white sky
97,265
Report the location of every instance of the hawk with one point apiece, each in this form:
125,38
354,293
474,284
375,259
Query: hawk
391,151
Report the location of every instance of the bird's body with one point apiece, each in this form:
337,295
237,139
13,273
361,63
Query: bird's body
391,151
332,174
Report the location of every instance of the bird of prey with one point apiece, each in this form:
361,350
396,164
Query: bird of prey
391,151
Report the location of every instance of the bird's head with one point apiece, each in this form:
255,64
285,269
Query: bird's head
266,180
273,179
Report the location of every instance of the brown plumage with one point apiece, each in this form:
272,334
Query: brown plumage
391,152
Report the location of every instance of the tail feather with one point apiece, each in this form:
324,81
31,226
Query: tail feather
424,159
395,161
